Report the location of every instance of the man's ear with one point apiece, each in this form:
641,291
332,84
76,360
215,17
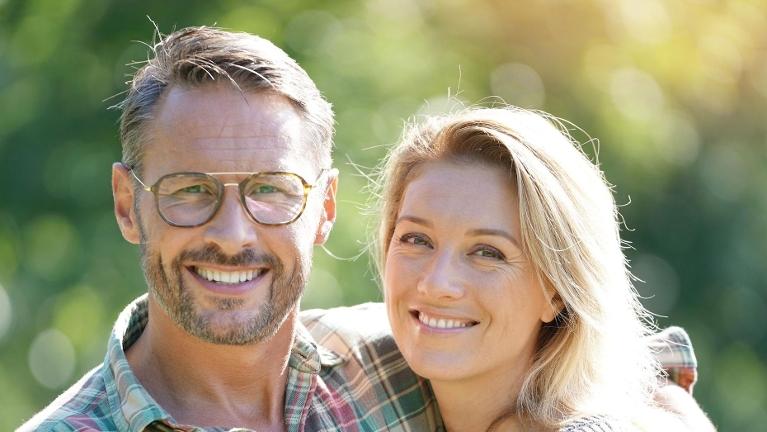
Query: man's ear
328,216
122,191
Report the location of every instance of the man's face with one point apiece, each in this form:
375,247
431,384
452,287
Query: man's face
231,280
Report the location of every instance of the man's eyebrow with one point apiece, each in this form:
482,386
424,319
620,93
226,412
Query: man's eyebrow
494,232
414,219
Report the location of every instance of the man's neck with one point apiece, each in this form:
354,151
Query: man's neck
205,384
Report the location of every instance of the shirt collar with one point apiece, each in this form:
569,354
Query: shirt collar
134,408
307,355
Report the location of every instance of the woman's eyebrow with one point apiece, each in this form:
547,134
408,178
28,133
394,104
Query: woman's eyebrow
414,219
493,232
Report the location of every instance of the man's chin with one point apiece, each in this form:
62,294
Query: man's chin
228,327
223,319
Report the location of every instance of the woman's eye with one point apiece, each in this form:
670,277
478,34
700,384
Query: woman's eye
415,240
489,252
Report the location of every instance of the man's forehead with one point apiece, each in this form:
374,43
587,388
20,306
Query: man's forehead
222,111
237,145
219,128
237,148
246,154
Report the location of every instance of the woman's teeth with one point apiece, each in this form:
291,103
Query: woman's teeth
443,323
233,277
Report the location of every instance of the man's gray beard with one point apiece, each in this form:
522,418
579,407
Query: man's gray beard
178,302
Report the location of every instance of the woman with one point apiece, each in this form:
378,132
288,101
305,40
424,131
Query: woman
505,281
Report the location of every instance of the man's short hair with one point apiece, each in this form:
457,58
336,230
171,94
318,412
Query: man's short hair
197,56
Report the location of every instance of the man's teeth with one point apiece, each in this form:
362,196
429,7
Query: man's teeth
227,277
441,322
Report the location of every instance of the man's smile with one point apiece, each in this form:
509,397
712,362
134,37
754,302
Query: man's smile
228,277
232,281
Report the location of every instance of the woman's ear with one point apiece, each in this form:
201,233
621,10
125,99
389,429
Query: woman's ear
554,303
553,308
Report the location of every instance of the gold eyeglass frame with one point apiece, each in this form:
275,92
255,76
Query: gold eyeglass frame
220,192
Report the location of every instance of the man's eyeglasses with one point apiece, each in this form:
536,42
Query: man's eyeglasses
190,199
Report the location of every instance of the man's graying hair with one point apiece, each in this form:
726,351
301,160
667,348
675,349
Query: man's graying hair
197,56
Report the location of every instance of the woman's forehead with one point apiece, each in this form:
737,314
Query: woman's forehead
475,192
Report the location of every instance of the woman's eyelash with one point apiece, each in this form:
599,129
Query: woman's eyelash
483,251
414,239
494,253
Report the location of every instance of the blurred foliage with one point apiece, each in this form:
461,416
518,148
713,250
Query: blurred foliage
675,91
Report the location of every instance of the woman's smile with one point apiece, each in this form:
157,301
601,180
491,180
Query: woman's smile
443,323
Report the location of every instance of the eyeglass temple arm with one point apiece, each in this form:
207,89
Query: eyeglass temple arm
133,173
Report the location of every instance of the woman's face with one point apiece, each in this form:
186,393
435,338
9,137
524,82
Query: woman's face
462,298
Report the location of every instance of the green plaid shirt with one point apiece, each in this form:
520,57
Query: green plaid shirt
356,380
344,374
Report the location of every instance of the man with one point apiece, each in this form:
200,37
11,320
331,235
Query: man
226,184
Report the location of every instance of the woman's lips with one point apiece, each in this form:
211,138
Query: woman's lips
442,322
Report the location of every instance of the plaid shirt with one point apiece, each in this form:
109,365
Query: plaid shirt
344,373
362,383
673,349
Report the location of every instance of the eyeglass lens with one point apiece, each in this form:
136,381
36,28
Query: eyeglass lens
189,199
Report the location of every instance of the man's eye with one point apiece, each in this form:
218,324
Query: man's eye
265,189
415,240
194,189
489,252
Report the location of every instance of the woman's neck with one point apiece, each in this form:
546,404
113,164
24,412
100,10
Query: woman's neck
474,404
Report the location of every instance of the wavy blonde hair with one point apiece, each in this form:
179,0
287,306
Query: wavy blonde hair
592,358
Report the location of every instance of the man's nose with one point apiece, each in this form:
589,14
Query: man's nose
441,277
231,227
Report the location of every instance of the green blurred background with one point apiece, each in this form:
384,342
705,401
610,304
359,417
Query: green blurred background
674,90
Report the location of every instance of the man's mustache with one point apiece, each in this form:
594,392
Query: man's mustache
212,254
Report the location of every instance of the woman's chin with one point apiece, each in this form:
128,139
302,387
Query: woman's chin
441,366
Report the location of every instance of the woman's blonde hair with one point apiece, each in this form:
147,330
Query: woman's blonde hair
592,358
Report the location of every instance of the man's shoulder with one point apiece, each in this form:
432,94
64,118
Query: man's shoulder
82,407
368,369
357,324
352,332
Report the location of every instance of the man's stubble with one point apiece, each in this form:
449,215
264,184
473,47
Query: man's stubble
178,302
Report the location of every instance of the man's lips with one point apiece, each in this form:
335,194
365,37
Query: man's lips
229,281
228,276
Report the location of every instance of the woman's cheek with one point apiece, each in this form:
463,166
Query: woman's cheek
402,272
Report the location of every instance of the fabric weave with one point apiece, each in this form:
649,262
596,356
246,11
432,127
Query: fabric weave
345,373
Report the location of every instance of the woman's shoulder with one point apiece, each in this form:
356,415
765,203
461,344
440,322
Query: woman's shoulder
595,423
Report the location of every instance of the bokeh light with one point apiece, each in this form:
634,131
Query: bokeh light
52,358
6,312
658,283
322,290
518,84
51,245
673,93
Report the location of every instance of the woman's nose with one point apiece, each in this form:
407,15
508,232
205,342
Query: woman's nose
441,277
